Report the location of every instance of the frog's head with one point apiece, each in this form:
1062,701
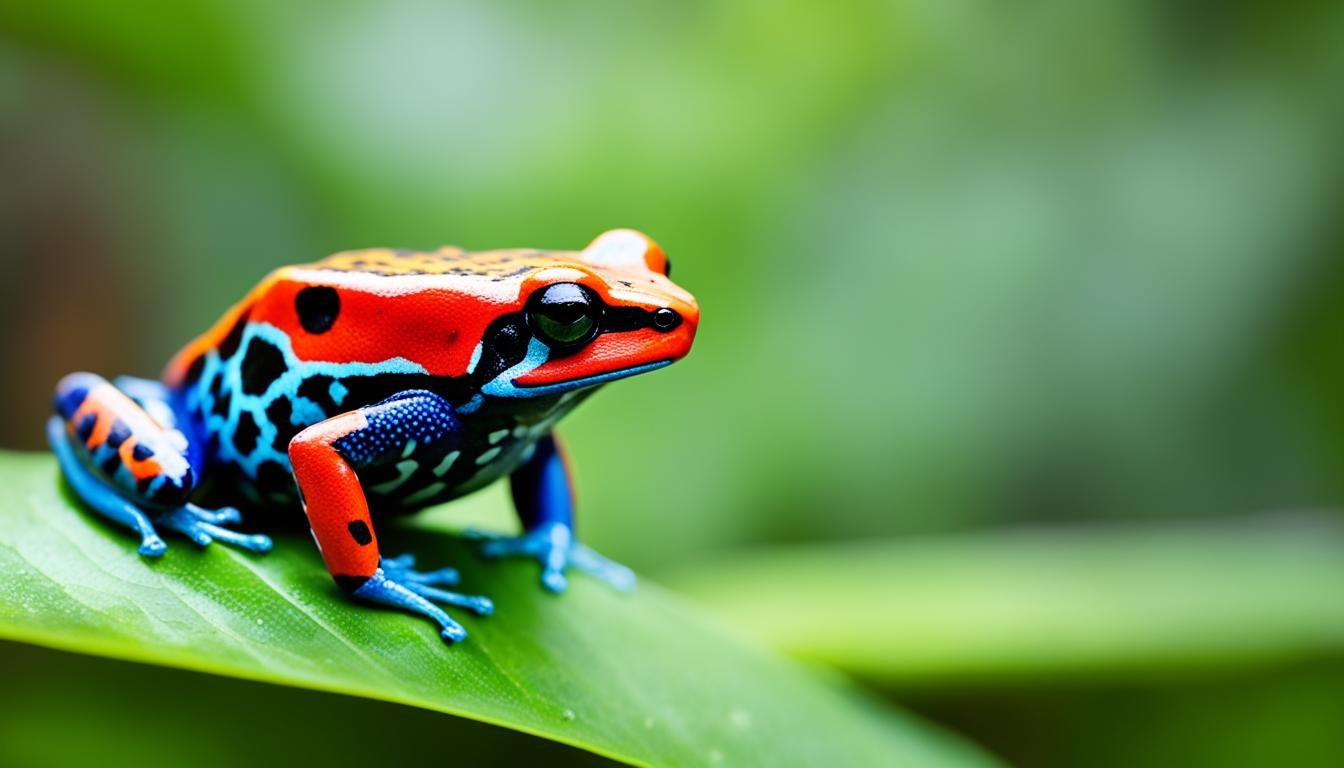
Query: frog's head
587,317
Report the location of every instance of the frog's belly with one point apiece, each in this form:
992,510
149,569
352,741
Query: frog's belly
420,478
429,477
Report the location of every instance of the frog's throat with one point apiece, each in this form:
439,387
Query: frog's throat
506,383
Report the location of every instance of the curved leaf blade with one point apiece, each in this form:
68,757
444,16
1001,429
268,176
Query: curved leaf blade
1097,602
638,678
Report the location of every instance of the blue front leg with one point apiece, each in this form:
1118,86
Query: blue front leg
544,499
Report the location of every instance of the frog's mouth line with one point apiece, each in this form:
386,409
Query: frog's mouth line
506,383
541,390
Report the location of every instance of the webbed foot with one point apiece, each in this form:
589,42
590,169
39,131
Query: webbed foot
196,523
397,585
553,546
205,526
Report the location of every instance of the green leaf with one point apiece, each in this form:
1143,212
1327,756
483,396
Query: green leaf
638,678
63,709
1040,604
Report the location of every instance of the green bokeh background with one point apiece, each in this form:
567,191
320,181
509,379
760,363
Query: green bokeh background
962,265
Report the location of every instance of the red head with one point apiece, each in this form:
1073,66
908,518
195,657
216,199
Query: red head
520,323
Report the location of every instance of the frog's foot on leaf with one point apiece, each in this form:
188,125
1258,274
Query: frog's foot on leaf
205,526
400,569
553,546
200,525
395,584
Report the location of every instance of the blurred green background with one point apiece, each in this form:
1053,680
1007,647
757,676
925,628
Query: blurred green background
964,266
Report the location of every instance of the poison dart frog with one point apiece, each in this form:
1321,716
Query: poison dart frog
375,382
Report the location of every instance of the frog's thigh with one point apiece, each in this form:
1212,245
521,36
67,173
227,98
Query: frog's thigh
122,444
326,457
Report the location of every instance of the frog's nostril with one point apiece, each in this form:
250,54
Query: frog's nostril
666,319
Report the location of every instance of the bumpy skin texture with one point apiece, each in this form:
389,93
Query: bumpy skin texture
380,381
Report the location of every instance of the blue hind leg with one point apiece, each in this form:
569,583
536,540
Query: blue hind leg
123,453
98,495
545,501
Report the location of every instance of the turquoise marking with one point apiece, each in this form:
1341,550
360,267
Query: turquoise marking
426,493
446,464
287,384
338,391
475,358
405,469
505,384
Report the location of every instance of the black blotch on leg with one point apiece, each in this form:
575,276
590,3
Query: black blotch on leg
263,364
110,465
359,531
118,434
85,426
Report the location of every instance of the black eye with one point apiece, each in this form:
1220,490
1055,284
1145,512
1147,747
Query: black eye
564,314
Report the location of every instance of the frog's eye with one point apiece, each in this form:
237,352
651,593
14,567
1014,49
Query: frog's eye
564,314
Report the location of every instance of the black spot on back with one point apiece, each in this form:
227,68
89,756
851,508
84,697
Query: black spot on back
359,531
318,306
195,369
279,413
263,364
141,452
221,406
318,389
245,436
235,335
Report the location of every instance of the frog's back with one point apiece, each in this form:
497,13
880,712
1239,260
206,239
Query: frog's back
316,340
379,292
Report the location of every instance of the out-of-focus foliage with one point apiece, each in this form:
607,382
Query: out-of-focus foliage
1199,645
1106,604
62,709
558,668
